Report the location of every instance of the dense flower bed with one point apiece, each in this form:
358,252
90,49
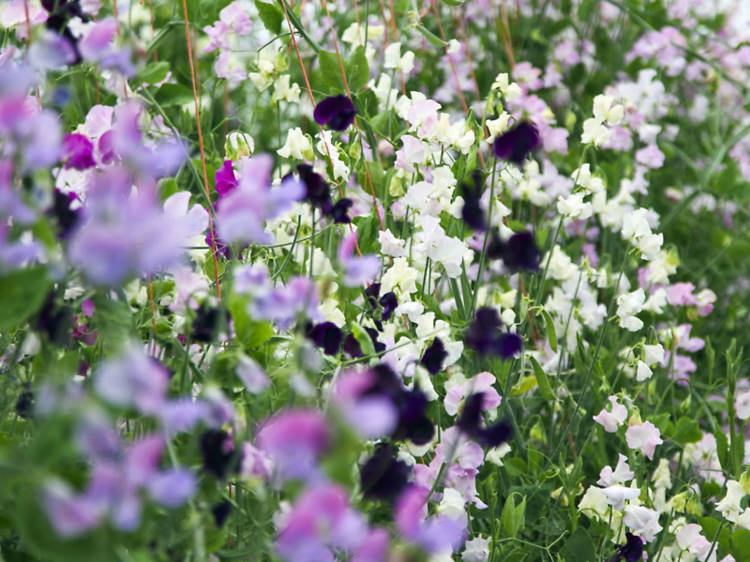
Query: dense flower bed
354,280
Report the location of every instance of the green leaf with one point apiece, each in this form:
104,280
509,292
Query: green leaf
364,340
542,380
22,293
513,515
739,545
113,320
433,39
330,70
153,73
173,94
551,335
357,70
250,333
271,16
579,547
687,431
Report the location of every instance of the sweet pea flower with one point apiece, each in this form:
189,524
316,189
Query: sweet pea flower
482,382
644,436
611,420
357,269
643,521
293,440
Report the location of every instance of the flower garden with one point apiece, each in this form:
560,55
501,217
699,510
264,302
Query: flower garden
375,280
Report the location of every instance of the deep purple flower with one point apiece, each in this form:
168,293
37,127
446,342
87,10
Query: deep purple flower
384,476
351,347
472,212
317,191
25,402
225,179
78,152
484,336
517,143
339,211
631,551
207,323
520,252
221,512
327,336
470,423
411,405
218,453
67,217
389,302
336,111
433,357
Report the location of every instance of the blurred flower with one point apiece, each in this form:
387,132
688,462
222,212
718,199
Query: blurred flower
336,111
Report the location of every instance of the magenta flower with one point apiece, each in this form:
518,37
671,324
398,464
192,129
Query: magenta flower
294,440
78,152
225,179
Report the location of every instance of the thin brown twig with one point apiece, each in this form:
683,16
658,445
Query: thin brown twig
211,230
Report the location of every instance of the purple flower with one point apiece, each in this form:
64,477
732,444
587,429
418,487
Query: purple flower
483,335
433,357
242,212
519,252
225,179
317,191
383,476
357,270
294,439
631,551
472,212
336,111
66,216
218,453
78,152
517,143
327,336
372,415
172,488
339,211
435,534
133,380
471,417
69,513
320,522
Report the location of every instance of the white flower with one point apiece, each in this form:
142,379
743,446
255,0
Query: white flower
642,371
616,495
621,474
400,275
574,207
742,405
628,305
653,354
390,245
643,521
282,90
477,550
729,506
297,146
452,504
594,132
606,110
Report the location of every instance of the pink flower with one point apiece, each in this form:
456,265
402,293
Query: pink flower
650,156
320,522
435,534
644,437
293,440
681,294
483,382
612,420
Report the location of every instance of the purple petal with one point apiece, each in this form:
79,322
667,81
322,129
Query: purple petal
172,488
